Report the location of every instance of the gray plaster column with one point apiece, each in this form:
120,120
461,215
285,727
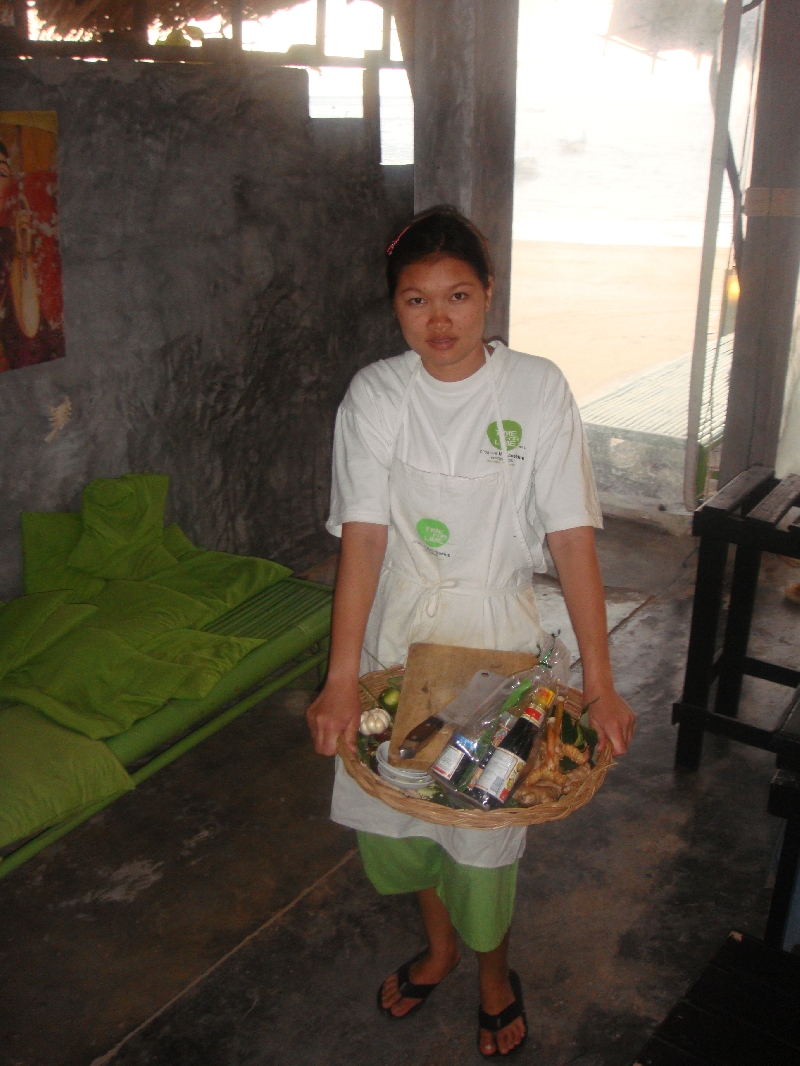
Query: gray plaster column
465,74
769,272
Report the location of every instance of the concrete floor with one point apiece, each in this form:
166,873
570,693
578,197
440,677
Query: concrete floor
215,916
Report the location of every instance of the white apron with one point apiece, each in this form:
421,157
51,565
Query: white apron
458,570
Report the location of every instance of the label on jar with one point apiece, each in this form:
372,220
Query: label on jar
500,774
534,715
504,727
448,762
467,745
542,697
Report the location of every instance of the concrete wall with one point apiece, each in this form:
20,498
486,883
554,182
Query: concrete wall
223,280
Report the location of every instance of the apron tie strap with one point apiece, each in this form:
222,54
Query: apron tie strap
431,598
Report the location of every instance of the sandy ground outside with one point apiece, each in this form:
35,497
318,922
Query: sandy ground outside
604,313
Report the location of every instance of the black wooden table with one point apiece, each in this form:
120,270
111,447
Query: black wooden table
747,514
744,1010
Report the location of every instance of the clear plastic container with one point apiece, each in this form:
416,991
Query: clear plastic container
459,766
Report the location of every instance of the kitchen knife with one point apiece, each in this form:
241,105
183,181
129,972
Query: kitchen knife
456,712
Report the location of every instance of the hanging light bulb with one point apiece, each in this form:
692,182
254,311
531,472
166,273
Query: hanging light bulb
730,302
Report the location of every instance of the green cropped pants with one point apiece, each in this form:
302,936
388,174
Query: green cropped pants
480,902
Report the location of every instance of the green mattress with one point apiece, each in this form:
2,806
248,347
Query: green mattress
290,616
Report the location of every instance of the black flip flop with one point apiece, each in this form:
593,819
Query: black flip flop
407,989
493,1023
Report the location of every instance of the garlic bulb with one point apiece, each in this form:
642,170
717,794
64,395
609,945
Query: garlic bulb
376,721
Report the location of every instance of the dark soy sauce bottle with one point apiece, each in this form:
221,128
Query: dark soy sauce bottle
496,781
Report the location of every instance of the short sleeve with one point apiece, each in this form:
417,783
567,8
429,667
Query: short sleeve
563,493
361,459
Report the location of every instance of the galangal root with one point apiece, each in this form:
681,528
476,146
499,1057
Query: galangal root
546,782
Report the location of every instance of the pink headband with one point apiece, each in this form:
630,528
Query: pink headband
402,233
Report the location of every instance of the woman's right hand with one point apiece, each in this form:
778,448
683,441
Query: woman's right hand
335,712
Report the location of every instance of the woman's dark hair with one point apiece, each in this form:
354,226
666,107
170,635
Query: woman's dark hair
440,230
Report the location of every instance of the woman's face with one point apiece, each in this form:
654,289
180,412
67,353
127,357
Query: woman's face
441,305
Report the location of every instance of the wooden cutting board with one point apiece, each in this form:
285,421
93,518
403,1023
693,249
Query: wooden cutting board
435,674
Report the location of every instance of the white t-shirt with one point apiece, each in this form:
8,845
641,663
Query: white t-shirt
450,427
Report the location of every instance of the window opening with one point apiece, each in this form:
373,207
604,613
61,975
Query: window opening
353,28
397,118
614,132
335,92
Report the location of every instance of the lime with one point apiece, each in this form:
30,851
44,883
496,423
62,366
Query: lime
389,699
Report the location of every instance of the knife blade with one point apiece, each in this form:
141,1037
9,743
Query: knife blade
456,712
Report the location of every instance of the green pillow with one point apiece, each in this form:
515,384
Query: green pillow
178,544
48,540
48,773
123,526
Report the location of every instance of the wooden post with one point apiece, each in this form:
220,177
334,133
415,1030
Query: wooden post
236,23
139,21
465,76
386,40
404,17
21,19
321,25
771,260
372,103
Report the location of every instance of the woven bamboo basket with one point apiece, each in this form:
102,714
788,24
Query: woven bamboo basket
407,803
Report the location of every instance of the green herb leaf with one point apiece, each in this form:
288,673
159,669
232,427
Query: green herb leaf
569,730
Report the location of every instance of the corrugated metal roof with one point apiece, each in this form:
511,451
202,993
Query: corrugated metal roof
658,400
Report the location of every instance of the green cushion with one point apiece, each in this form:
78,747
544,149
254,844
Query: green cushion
123,527
48,773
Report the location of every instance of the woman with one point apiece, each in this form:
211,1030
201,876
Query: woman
452,463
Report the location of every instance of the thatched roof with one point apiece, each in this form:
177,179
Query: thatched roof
89,17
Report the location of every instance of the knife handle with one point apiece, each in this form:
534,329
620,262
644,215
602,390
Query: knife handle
419,736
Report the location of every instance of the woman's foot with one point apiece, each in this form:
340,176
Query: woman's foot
428,970
496,998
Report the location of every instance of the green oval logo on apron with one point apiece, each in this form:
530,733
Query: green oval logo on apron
433,533
513,432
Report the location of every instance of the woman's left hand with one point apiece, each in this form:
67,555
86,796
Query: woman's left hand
613,719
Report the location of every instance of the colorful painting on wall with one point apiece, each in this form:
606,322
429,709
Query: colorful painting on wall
31,302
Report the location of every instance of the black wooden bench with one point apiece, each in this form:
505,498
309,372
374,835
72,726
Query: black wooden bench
744,1010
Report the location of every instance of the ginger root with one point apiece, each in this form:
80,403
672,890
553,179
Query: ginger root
578,755
546,783
544,792
576,777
